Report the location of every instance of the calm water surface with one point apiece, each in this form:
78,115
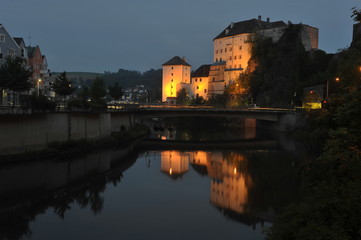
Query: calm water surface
149,192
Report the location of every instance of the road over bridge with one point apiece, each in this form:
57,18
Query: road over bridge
282,119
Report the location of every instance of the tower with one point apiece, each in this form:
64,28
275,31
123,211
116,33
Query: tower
176,72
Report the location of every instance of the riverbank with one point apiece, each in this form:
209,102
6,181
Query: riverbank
61,149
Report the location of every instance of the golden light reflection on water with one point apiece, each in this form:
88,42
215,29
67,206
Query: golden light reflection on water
230,182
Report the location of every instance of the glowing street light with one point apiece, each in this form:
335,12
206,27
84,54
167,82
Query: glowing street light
39,81
337,79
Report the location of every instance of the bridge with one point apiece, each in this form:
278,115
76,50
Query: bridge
283,119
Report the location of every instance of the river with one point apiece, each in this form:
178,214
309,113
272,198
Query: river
189,180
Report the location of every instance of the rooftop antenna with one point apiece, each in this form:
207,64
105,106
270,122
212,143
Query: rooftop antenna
29,39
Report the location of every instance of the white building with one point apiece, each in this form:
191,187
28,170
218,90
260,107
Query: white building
175,73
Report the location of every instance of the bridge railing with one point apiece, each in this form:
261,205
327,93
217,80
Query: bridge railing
168,107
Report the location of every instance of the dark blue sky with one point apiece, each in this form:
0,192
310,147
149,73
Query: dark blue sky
105,35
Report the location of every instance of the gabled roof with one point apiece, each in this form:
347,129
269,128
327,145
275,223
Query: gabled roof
31,51
19,40
249,26
176,61
202,71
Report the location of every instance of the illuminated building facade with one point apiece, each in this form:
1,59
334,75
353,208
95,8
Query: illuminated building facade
231,53
232,47
200,82
176,73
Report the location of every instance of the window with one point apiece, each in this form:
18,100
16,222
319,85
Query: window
230,49
196,79
213,79
216,59
197,87
171,80
2,38
240,47
239,56
230,58
216,51
172,67
205,90
235,57
200,79
11,53
225,50
1,55
171,74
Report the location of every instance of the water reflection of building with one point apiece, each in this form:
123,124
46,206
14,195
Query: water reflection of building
174,163
230,183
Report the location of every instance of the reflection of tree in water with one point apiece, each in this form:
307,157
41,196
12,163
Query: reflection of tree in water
270,181
16,213
84,196
274,177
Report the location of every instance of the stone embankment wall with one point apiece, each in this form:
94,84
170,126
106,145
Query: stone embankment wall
21,133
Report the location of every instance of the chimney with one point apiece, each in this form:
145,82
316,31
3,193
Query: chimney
232,24
259,17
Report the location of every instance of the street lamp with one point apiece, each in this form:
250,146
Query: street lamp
337,79
39,81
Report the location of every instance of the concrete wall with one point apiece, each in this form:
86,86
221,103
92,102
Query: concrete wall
21,133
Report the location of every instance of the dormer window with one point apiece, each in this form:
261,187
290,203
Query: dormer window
2,38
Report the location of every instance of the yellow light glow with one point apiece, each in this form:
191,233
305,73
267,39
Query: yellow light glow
170,171
337,79
39,80
163,138
235,171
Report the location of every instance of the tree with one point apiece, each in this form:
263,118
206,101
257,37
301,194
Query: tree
97,90
182,97
15,76
62,86
356,14
115,91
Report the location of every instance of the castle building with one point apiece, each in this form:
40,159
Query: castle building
176,75
200,82
232,48
231,53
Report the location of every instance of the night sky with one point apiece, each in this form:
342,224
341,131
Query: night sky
105,35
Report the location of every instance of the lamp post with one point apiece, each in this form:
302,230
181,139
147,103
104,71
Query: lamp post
39,81
337,79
